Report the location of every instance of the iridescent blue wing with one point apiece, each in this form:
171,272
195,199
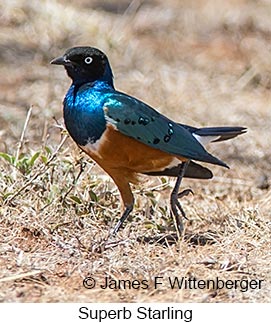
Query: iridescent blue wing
137,120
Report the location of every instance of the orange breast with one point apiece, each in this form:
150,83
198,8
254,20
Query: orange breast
115,150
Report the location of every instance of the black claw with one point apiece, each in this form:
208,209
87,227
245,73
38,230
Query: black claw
124,216
185,193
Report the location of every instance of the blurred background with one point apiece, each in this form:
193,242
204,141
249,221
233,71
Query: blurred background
201,62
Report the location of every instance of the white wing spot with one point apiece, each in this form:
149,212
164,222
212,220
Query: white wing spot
109,119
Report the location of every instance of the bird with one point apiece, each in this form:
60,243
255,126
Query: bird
127,138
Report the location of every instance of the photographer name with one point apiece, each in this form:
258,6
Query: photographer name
185,283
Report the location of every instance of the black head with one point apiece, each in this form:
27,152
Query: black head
85,64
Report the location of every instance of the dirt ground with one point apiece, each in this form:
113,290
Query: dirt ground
200,62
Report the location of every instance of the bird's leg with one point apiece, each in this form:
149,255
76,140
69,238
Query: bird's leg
126,194
175,195
124,216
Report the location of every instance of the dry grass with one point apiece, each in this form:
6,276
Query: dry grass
201,63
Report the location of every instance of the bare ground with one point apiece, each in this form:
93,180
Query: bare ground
204,63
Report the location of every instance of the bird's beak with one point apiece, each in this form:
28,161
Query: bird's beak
62,60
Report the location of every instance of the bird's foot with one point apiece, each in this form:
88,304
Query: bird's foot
176,208
124,216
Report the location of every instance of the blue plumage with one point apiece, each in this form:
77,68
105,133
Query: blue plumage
83,112
126,136
139,121
88,107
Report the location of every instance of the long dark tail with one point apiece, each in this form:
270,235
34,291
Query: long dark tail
219,133
203,135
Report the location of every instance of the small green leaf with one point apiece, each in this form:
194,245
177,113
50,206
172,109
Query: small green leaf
153,202
34,158
8,157
93,196
76,199
44,159
149,225
150,194
48,150
163,180
163,210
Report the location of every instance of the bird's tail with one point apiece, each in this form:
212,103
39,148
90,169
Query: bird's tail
220,133
214,134
204,136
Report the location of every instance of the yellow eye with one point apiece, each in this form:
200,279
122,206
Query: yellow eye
88,60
